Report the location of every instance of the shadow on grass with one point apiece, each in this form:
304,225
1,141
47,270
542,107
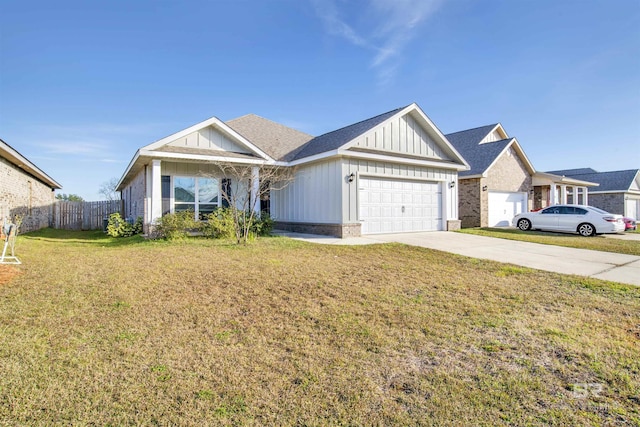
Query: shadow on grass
97,238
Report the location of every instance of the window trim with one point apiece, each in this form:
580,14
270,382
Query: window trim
196,202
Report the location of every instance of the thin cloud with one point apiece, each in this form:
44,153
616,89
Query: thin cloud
393,24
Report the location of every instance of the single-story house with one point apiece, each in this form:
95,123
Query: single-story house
502,182
25,190
618,192
395,172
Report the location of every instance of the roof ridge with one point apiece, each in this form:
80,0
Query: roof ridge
268,120
477,127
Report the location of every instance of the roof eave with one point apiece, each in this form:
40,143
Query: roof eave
23,163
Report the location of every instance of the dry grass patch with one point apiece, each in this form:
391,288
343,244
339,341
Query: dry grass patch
7,272
596,243
101,331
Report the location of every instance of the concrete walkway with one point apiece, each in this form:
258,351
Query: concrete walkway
601,265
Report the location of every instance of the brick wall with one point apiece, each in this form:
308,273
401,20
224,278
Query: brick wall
613,203
469,202
338,230
509,174
24,195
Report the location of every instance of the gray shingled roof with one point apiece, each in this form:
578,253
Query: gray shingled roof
479,156
570,172
278,141
336,139
609,181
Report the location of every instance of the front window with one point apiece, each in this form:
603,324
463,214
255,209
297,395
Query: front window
199,195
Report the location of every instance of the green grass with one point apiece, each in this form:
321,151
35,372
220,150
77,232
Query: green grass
596,243
99,331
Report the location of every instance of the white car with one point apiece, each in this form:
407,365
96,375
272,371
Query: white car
584,220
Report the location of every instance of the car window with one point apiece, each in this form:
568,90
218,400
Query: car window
580,211
566,210
553,210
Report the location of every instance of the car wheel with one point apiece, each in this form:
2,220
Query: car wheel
524,224
586,229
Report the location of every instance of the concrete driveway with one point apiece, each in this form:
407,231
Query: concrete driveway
601,265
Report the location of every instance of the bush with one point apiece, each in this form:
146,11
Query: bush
220,224
177,225
119,227
262,226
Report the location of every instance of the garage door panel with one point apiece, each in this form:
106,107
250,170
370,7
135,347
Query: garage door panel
503,206
388,206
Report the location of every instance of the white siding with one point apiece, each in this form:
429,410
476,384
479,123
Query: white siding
208,138
403,135
313,196
190,169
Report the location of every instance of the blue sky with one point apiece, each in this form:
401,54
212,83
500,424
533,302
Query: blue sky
83,84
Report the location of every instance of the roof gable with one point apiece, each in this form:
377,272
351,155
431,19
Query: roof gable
211,134
403,132
481,149
471,136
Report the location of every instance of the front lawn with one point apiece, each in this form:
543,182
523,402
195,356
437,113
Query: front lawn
99,331
596,243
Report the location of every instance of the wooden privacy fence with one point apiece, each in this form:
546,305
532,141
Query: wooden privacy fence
84,215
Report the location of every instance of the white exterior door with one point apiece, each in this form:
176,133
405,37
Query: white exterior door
503,206
397,206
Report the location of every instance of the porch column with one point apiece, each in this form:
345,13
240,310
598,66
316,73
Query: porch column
563,194
585,196
552,195
156,190
255,190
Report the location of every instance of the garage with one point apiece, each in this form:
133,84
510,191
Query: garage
503,206
399,205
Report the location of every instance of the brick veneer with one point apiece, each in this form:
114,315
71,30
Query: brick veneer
24,195
338,230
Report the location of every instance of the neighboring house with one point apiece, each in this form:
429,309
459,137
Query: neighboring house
497,186
395,172
618,191
25,190
502,182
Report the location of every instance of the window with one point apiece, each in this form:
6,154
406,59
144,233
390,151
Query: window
199,195
552,211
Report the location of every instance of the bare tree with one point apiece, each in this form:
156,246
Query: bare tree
241,194
108,189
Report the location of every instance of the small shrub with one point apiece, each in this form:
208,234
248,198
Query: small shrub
219,224
119,227
262,226
177,225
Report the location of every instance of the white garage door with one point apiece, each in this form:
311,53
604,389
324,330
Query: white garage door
632,208
504,206
395,206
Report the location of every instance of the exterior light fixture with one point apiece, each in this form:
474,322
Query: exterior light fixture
452,184
484,188
351,177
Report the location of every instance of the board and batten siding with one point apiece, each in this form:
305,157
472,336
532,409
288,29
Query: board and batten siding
403,135
399,171
313,196
133,197
190,169
208,138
